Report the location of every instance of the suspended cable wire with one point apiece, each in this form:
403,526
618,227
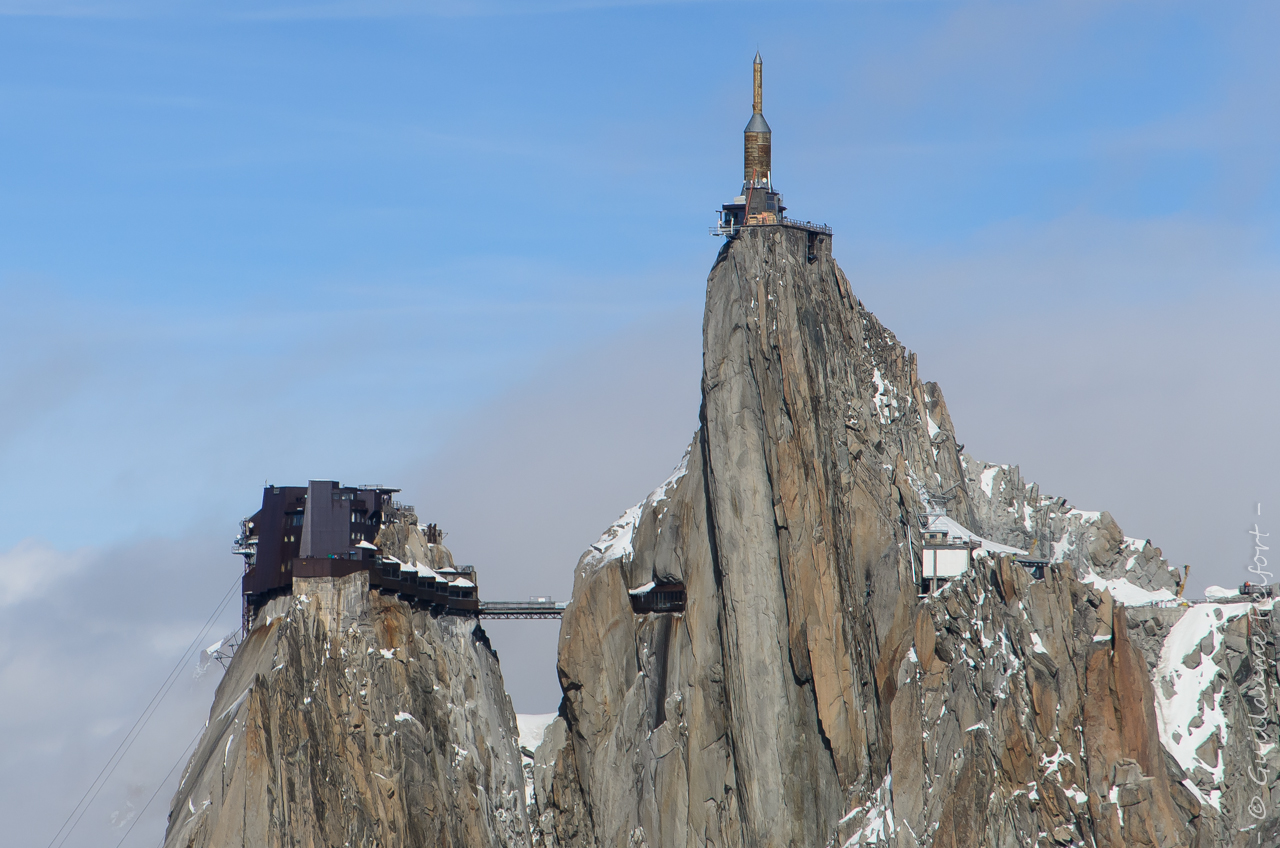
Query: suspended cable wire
147,714
90,794
181,758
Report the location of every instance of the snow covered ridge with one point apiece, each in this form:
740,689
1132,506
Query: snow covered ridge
1011,511
1191,715
615,543
1196,651
1127,593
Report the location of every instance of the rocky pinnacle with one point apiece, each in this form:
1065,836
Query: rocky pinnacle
807,695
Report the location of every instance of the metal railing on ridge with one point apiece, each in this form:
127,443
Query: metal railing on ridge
734,229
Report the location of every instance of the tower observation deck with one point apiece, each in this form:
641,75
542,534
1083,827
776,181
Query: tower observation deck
758,204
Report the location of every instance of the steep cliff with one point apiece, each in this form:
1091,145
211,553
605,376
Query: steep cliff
807,695
348,718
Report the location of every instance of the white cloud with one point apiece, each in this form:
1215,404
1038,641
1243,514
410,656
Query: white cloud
31,568
86,639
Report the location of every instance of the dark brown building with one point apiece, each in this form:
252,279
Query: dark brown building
325,529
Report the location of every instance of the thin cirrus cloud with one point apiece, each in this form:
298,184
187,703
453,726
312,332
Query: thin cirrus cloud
131,399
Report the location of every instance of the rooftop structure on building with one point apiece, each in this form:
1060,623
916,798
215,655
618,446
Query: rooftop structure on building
325,529
949,549
758,204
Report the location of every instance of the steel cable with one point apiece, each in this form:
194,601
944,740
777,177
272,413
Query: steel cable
90,794
181,757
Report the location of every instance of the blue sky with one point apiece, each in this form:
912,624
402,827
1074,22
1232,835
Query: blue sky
215,220
461,248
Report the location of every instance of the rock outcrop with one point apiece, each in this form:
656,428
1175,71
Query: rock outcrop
347,718
807,695
1013,512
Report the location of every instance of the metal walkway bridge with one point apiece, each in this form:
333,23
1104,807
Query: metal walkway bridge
224,649
521,609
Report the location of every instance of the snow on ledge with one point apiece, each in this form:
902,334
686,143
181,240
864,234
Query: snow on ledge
1127,593
615,543
987,478
532,728
1188,702
957,532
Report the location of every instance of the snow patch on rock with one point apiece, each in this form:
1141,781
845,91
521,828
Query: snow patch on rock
615,543
1127,593
873,820
533,727
1188,711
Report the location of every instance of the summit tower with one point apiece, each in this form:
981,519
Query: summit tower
758,203
756,137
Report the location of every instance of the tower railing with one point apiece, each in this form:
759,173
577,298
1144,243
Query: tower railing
806,225
723,229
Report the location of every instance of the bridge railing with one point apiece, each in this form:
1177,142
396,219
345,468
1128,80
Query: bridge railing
521,609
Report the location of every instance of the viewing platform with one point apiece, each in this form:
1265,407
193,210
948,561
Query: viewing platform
732,229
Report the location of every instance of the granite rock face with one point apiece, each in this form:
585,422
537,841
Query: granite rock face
348,718
1013,512
1213,669
807,695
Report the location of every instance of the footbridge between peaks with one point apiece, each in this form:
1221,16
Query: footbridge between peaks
535,608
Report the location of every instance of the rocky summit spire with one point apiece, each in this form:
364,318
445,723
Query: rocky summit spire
810,693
